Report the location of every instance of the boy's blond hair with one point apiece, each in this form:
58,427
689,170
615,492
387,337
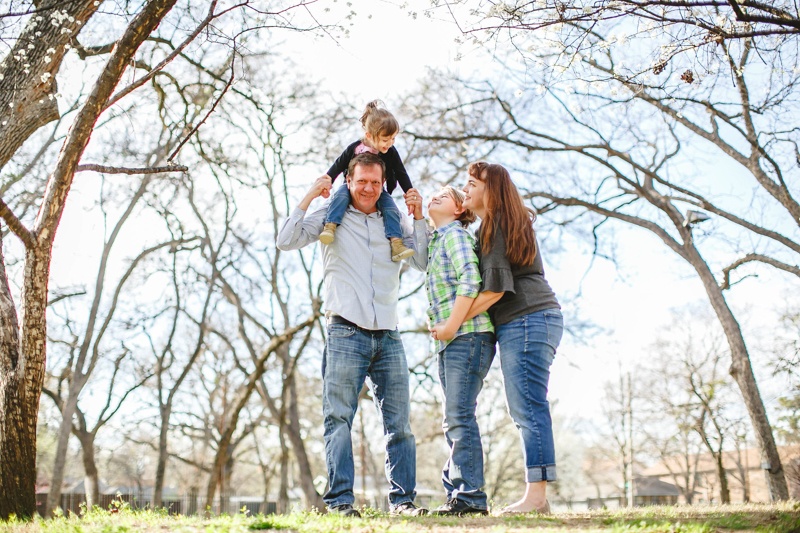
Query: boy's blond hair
467,217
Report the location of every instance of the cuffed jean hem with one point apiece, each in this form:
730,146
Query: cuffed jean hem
535,474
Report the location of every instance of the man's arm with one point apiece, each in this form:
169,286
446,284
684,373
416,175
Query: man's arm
300,230
419,234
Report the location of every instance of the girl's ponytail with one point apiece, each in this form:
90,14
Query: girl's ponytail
378,121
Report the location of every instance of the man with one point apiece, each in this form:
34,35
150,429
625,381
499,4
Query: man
361,293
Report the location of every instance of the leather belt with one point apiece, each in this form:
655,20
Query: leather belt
336,319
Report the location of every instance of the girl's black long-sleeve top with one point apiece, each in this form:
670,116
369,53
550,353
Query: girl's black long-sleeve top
395,170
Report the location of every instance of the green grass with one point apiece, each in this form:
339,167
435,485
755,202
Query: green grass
777,518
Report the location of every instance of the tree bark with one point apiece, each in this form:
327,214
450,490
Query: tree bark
724,491
283,489
17,419
91,482
161,467
28,104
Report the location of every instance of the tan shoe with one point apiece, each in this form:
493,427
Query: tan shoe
328,233
399,250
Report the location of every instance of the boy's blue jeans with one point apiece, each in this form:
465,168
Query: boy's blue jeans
386,205
463,365
527,348
352,354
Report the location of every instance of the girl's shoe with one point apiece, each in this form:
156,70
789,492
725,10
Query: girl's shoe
399,250
328,233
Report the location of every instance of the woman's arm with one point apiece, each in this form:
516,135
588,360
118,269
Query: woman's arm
482,303
446,330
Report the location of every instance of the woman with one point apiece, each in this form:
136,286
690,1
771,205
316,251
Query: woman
527,319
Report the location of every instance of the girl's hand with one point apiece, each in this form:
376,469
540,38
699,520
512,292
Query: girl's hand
441,332
324,185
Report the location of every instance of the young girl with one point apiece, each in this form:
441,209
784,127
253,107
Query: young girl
453,281
526,316
380,130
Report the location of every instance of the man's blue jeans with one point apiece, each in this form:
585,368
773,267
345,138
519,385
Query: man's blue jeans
352,354
463,365
527,348
386,205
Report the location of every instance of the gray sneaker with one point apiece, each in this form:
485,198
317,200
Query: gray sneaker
407,509
345,510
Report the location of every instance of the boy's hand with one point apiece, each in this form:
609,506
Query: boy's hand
442,332
414,202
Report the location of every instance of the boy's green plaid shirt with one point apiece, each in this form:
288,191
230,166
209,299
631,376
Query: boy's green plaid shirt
453,271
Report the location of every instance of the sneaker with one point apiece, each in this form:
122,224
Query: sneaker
399,250
328,233
407,509
345,510
457,508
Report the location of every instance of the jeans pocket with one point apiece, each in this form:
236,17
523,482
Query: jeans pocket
341,330
554,322
394,334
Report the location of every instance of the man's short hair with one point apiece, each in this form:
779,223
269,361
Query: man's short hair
366,159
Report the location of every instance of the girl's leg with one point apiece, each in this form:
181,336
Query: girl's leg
391,216
527,349
338,205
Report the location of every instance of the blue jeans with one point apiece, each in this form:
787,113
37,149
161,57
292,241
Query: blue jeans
386,205
527,348
352,354
463,365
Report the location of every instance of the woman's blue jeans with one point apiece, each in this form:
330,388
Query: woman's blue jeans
351,355
386,205
463,365
527,348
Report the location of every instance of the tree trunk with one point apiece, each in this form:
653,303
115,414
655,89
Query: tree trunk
60,460
161,466
742,372
91,481
23,365
283,491
17,420
724,491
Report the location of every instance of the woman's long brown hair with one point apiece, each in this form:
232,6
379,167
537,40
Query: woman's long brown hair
505,210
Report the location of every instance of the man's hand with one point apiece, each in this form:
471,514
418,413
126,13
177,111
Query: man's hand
414,202
320,187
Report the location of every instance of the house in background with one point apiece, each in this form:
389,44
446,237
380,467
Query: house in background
747,481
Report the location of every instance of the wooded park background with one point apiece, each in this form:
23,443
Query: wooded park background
152,337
